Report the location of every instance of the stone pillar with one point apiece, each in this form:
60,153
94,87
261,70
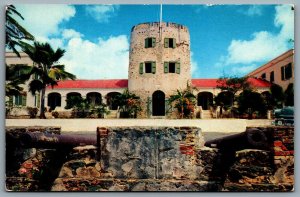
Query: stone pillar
63,101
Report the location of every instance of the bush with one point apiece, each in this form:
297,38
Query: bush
32,111
55,114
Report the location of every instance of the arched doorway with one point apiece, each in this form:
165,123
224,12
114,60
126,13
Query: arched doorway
73,98
205,99
94,98
158,103
111,101
54,100
225,98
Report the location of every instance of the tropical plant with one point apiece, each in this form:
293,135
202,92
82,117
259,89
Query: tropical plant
82,108
16,75
32,111
129,104
225,100
277,95
250,102
184,101
289,95
45,68
233,84
14,32
75,101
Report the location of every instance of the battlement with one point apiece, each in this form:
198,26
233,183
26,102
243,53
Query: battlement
156,24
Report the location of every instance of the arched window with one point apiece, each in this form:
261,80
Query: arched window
111,100
94,98
54,100
73,98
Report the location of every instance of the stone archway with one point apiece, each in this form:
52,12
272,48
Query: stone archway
94,98
54,100
205,100
111,101
72,99
158,103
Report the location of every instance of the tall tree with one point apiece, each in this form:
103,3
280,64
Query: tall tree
184,101
233,84
289,95
14,32
45,68
250,101
277,95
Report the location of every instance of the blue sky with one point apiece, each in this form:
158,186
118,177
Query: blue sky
225,39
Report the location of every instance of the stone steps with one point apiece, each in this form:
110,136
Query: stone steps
112,115
206,114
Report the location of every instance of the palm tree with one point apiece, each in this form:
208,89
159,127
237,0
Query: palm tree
14,32
184,101
45,69
16,75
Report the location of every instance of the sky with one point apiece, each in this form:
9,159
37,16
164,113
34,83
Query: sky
226,40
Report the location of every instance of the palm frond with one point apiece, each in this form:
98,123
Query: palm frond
35,86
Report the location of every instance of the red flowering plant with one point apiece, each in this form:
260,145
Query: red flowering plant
31,168
129,104
184,101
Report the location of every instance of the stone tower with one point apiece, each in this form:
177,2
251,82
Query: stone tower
159,64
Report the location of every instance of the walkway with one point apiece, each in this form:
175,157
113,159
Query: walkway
211,128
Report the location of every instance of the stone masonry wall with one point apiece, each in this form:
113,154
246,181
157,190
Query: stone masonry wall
145,84
160,159
259,170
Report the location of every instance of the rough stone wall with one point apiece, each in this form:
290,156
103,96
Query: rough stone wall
284,154
150,153
258,170
143,160
145,84
30,169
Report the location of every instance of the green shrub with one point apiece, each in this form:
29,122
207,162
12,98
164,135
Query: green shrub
32,111
55,114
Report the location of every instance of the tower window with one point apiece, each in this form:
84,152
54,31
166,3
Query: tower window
170,43
263,76
147,67
150,42
172,67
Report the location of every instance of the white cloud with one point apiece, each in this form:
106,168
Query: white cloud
194,64
106,59
264,45
70,33
253,10
102,13
43,20
242,70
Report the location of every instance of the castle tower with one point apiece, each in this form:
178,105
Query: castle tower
159,64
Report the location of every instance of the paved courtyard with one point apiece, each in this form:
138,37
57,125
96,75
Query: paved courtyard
212,128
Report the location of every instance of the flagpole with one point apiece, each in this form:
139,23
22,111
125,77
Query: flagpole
160,21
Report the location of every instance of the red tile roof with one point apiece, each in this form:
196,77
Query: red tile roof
204,83
110,83
259,83
123,83
212,83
